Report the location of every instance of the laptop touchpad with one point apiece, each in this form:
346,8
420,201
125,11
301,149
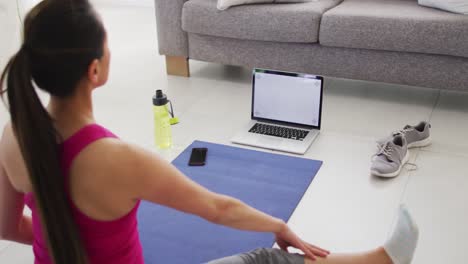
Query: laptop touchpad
270,141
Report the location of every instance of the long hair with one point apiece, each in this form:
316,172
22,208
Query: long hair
61,39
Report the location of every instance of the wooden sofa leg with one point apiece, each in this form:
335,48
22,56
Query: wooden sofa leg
178,66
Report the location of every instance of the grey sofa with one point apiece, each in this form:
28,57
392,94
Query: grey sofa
393,41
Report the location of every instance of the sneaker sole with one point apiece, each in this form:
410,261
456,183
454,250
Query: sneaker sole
393,174
419,144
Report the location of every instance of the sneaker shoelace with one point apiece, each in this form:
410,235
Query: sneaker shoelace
412,166
385,150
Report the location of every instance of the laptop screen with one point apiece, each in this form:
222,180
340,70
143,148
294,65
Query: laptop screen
287,97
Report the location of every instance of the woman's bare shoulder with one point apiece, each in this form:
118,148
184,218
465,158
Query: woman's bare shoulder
109,159
109,171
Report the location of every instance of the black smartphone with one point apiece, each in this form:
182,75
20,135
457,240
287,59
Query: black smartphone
198,157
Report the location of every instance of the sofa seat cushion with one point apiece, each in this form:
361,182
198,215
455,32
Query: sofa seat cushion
395,25
292,22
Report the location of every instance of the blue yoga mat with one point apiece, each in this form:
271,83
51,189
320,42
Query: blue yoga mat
269,182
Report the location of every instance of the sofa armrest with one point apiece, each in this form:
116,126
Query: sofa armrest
172,40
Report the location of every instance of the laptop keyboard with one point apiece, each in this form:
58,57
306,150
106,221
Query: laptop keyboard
278,131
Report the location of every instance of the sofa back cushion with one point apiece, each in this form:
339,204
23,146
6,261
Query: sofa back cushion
395,25
294,22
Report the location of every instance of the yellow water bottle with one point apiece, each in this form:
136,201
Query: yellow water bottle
163,119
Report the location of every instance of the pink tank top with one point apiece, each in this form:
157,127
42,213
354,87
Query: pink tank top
116,241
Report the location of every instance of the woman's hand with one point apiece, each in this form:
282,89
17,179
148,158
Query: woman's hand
286,238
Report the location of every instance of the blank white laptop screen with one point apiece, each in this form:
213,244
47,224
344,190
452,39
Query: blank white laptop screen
294,98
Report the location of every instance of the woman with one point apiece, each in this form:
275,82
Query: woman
84,185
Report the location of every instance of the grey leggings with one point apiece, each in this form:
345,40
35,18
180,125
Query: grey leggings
262,256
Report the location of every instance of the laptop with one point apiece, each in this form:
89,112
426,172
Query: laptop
286,111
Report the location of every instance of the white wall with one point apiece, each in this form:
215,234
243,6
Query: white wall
26,5
10,30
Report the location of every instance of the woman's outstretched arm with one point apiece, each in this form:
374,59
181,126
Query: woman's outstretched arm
156,180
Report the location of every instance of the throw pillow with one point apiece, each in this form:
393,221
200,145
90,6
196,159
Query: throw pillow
225,4
455,6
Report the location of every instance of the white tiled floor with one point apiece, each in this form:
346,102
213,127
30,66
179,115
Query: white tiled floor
345,209
437,194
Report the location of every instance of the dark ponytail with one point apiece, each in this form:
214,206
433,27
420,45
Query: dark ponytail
37,139
56,65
